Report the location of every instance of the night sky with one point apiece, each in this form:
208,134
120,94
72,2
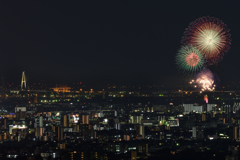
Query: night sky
101,42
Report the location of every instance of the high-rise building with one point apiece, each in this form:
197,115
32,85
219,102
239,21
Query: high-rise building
59,133
41,131
40,121
234,132
65,119
142,131
85,119
10,129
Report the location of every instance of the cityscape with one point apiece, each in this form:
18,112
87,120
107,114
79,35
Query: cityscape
119,80
118,122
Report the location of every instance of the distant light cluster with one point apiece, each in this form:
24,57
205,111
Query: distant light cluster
205,42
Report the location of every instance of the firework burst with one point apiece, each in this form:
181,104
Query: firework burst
189,59
210,36
205,81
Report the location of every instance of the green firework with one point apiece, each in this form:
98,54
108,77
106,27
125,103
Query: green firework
189,59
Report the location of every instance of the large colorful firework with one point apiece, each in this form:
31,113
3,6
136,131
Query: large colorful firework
205,81
189,59
210,36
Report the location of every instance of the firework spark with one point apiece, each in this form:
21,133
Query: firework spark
189,59
210,36
205,80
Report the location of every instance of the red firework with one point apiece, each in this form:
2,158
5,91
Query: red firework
210,36
192,59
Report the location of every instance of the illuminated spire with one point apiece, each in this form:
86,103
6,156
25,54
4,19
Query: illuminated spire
23,82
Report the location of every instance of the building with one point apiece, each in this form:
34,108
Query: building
191,108
62,88
210,107
197,109
117,126
39,132
136,119
140,130
41,121
85,119
133,155
203,117
65,121
187,108
59,133
234,134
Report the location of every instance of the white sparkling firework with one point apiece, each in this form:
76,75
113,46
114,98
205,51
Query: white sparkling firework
205,81
210,36
209,40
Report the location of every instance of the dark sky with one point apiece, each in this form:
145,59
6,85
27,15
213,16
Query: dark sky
101,42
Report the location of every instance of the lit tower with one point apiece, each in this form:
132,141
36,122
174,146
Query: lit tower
23,82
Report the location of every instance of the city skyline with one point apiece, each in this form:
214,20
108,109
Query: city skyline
121,80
